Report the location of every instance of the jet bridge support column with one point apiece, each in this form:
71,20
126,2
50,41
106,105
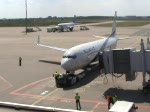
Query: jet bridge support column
148,48
143,61
148,44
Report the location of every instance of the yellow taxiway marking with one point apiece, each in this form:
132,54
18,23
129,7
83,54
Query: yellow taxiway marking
44,97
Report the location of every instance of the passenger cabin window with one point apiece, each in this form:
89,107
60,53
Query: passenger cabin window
70,57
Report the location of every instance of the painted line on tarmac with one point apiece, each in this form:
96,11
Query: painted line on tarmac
143,107
44,97
27,95
57,98
24,87
69,100
98,103
95,106
8,84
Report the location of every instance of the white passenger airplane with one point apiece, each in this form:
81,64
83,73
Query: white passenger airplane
80,56
68,26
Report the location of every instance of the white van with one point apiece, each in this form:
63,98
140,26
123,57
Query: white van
123,106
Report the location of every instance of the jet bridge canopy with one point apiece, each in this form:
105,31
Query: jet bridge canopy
121,60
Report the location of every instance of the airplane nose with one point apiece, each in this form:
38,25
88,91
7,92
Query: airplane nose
65,64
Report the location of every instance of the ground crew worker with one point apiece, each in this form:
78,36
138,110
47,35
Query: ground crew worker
115,98
77,98
56,75
110,100
20,60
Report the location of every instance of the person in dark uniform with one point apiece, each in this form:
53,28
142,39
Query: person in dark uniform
77,98
20,61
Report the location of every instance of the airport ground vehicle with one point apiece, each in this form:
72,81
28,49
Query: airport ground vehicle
123,106
68,79
30,29
84,28
54,29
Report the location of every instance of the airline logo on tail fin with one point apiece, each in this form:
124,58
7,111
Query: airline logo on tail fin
113,34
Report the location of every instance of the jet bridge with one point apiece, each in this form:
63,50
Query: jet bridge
128,61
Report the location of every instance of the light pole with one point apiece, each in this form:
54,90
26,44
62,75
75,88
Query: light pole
26,16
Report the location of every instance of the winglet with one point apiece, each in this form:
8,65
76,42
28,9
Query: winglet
38,40
99,37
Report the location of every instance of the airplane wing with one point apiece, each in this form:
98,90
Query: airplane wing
99,37
55,48
51,47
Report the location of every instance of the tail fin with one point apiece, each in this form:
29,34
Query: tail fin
113,33
74,20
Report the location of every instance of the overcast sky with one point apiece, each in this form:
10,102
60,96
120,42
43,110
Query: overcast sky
61,8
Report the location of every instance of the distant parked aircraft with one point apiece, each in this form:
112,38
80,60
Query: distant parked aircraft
68,26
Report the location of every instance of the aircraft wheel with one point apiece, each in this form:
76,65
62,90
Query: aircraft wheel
145,90
71,29
77,79
54,30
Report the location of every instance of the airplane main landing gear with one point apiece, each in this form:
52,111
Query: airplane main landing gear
71,29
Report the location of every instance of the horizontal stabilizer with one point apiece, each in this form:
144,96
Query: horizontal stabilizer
124,38
99,37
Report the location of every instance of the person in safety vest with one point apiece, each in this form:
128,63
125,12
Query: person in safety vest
77,98
56,75
115,98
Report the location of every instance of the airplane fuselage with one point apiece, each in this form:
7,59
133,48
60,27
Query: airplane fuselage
82,55
67,25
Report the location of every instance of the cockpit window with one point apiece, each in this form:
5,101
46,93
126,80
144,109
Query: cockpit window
70,57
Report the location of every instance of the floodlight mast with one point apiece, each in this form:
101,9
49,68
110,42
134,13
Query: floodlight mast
26,16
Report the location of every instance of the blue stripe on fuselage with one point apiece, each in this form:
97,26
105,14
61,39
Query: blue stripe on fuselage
113,33
102,48
104,44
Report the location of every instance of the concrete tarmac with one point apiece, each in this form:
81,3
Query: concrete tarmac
33,82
